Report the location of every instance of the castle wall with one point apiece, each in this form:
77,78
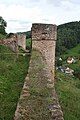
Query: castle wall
10,42
19,40
44,40
22,41
41,69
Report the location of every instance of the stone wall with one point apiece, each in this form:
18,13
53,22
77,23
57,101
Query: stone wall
44,39
15,40
22,41
10,42
41,69
31,104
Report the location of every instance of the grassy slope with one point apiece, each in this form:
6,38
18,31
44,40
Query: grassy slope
28,43
12,76
73,52
68,89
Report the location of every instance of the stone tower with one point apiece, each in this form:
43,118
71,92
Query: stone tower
44,39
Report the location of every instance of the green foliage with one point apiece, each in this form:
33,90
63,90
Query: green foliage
68,87
29,44
28,34
68,90
79,51
59,62
2,37
72,52
12,75
77,72
10,35
68,37
3,25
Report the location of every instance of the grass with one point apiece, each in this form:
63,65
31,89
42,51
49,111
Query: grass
28,43
12,76
68,90
68,87
75,65
2,37
73,52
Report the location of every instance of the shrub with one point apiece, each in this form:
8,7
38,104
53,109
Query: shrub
77,73
2,37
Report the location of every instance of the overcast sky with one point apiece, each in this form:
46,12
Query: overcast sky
20,14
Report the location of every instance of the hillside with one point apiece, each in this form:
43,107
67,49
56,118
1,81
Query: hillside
75,53
68,86
12,76
68,91
38,99
68,37
28,34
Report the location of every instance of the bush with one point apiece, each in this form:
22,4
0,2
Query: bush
77,73
2,37
59,62
79,51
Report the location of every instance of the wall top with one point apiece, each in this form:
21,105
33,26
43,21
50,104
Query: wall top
42,31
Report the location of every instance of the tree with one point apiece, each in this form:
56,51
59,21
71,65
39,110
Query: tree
3,25
68,36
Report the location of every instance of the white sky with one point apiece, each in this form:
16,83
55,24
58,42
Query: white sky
20,14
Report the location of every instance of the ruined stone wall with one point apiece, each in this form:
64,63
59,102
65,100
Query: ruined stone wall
44,40
22,41
10,42
19,40
41,69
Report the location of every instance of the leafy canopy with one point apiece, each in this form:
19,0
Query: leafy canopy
3,25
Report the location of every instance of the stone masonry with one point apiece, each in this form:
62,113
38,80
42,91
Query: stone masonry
10,42
15,40
44,40
22,41
41,68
